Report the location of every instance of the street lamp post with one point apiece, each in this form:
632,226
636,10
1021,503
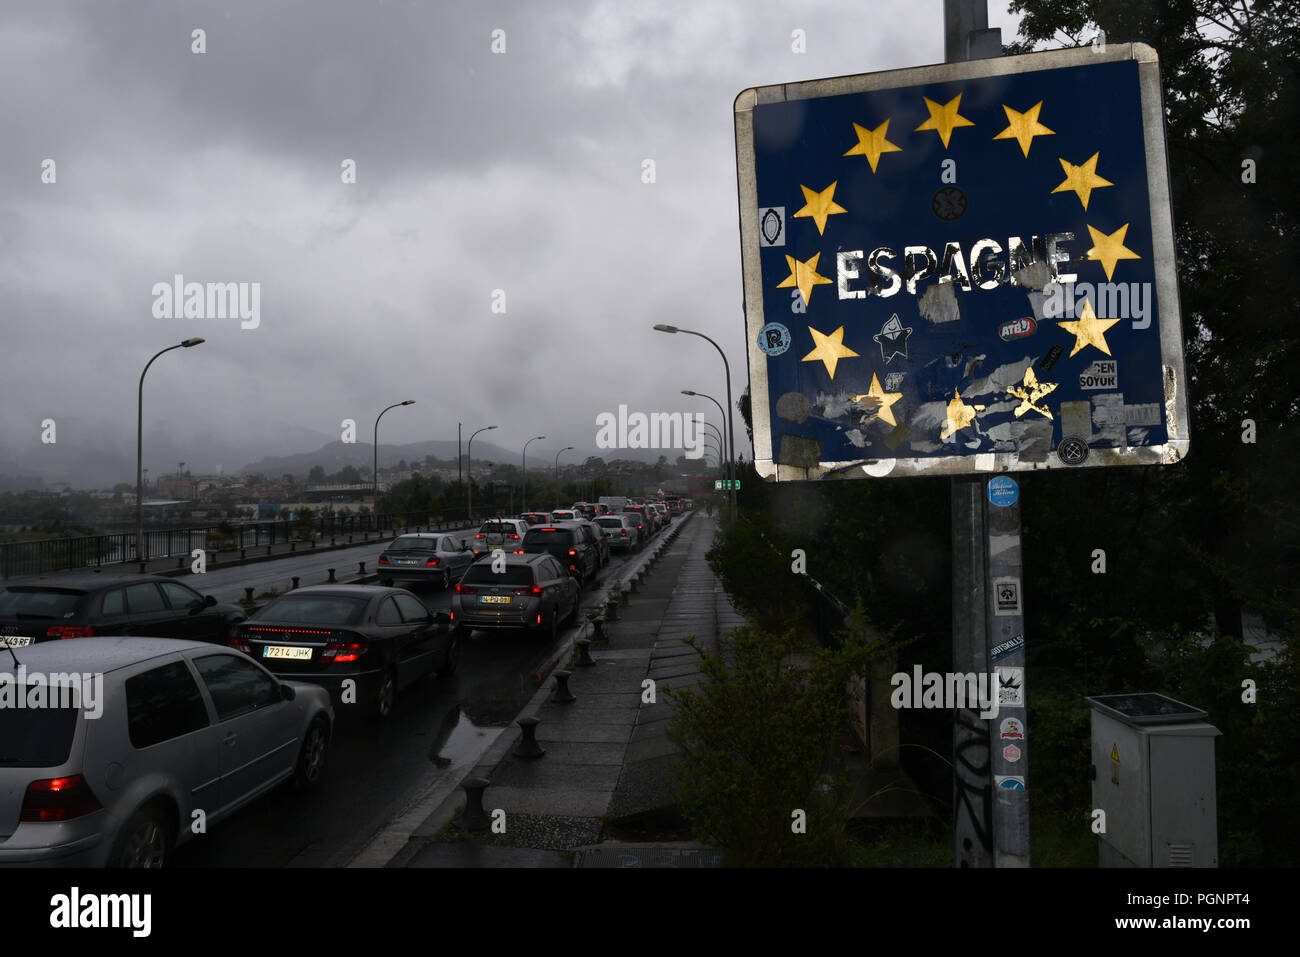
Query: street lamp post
143,557
729,472
523,497
730,423
567,448
469,472
375,475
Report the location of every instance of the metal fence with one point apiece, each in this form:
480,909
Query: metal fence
116,548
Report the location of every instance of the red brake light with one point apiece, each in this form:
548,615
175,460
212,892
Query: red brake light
514,536
383,559
623,534
431,561
480,535
58,799
573,551
69,631
342,651
462,589
533,591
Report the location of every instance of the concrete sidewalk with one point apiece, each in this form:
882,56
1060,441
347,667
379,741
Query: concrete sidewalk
607,757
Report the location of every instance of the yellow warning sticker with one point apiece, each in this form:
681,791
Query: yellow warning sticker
1114,753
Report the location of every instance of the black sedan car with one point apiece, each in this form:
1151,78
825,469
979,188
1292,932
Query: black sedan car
363,643
81,605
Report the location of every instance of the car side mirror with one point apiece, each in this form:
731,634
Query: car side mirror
287,692
209,601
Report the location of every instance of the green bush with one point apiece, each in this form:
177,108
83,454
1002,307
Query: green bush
755,740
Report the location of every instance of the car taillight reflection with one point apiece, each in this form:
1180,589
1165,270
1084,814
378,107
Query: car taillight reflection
463,589
532,591
343,651
383,559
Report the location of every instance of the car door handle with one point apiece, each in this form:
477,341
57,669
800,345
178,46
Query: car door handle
230,739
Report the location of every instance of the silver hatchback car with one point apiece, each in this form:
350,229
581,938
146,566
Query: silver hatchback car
111,747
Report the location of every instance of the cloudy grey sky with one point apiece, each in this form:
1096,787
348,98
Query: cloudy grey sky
476,171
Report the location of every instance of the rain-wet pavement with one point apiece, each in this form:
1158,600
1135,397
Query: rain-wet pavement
606,754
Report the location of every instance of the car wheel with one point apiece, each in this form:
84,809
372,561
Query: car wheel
144,841
386,696
311,759
453,652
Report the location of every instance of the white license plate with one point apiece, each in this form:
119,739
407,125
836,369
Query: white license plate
15,641
494,599
408,561
286,651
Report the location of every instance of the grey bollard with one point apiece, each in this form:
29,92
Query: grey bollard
611,610
528,747
474,818
584,653
248,594
293,546
598,628
562,693
268,549
332,578
633,584
333,542
180,561
243,553
362,568
295,581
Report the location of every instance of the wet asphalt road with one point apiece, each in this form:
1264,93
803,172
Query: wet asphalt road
375,770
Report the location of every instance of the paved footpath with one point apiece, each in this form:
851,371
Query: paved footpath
606,757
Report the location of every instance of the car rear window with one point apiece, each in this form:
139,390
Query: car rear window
313,610
609,522
35,737
484,575
39,602
550,536
496,528
412,544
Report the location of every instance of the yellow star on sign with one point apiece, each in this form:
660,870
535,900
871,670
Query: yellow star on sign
1033,391
1023,127
804,275
830,349
1083,179
943,119
879,397
820,205
1088,330
959,415
871,143
1109,250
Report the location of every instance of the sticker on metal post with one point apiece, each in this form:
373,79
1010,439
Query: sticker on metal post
1006,593
1012,728
1003,491
1009,782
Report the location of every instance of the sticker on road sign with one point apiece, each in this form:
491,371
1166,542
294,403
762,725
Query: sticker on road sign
1102,374
1011,687
1006,593
1114,753
1012,728
771,226
774,339
1011,754
1003,491
1010,782
1008,647
1041,243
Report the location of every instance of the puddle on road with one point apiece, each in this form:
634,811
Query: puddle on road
459,741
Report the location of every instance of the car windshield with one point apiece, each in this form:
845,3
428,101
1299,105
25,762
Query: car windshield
412,544
512,575
313,610
39,602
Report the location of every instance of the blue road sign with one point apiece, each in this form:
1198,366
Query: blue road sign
974,264
1003,491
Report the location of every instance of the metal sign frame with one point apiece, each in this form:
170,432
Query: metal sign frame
1174,407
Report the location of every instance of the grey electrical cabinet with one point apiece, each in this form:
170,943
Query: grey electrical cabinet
1153,776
